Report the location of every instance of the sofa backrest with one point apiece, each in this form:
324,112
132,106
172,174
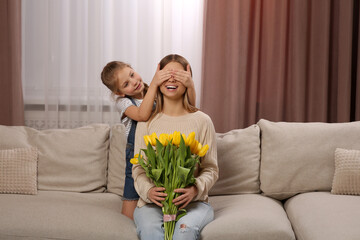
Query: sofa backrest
68,159
299,157
295,157
15,137
238,161
117,161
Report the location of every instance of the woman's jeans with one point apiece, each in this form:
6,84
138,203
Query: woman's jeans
149,221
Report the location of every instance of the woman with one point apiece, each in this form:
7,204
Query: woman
174,113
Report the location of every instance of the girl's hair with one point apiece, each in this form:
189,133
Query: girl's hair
109,79
160,98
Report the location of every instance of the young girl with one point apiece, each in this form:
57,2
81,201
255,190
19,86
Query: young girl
135,101
175,113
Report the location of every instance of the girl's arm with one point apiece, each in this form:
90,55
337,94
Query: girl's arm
143,112
191,94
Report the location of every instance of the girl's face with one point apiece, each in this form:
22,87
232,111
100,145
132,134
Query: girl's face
129,83
171,88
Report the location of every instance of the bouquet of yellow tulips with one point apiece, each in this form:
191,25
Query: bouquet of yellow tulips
171,162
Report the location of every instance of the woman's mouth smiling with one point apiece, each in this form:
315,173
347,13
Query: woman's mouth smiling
171,87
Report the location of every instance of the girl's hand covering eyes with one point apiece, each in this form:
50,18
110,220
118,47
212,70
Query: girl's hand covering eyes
156,195
184,77
161,76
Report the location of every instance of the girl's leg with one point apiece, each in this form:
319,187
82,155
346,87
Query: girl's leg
148,221
199,214
128,207
130,195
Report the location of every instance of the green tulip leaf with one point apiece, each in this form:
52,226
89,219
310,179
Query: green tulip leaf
159,146
181,213
183,174
156,173
165,207
189,163
151,155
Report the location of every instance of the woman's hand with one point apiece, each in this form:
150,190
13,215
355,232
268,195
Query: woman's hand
184,77
156,195
188,194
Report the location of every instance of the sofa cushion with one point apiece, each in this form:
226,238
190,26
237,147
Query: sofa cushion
321,215
64,215
238,161
73,160
117,161
299,157
15,136
18,170
247,216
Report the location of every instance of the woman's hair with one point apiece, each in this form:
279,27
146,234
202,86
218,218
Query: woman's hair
109,78
160,98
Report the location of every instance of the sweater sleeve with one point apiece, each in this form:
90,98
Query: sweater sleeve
209,171
141,182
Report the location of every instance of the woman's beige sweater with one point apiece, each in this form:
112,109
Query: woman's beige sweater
197,122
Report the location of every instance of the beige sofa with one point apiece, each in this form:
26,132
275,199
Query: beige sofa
275,182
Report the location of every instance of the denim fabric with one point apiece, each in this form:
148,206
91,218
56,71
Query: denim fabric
149,221
129,189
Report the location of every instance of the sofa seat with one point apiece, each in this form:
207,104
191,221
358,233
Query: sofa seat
64,215
322,215
247,216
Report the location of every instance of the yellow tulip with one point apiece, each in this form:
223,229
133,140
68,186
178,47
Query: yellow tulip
203,150
199,147
153,138
134,161
190,139
176,138
184,137
170,137
163,138
147,139
193,146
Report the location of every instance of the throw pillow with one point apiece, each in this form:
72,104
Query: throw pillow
18,170
117,160
298,157
238,154
73,160
347,172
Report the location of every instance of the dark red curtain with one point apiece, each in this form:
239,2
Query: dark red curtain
11,98
282,60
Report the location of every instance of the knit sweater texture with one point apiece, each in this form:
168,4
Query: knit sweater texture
197,122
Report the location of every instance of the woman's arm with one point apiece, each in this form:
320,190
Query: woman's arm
209,171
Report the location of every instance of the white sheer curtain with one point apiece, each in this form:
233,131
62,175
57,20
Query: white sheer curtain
67,43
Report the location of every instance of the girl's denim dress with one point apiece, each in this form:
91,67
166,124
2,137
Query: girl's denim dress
129,189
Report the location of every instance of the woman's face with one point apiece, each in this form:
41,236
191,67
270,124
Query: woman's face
171,88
